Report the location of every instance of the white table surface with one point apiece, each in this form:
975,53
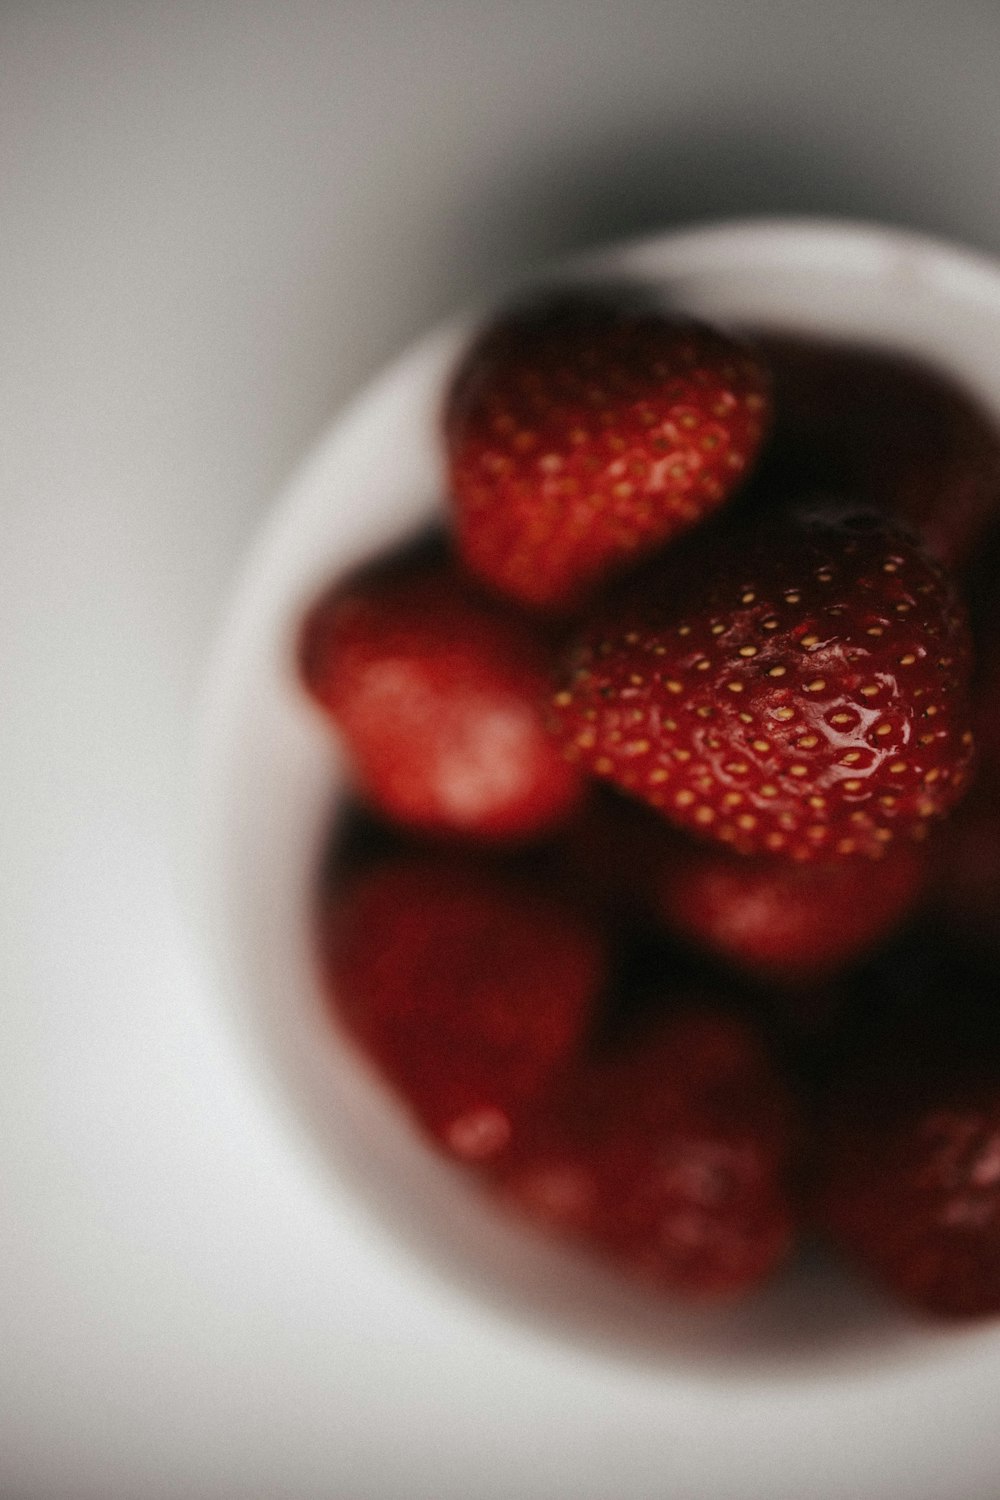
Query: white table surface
216,219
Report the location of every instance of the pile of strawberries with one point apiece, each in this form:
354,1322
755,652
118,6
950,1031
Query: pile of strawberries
666,913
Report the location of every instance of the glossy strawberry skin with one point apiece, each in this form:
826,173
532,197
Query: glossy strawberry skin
780,920
798,687
467,988
876,424
672,1161
580,436
438,697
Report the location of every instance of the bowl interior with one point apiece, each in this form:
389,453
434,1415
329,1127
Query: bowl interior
267,785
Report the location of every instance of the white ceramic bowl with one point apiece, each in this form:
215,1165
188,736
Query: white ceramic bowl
267,784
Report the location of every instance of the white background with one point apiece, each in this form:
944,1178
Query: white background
215,221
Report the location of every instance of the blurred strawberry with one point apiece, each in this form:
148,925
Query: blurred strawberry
910,1179
783,921
672,1160
467,987
888,429
581,435
438,698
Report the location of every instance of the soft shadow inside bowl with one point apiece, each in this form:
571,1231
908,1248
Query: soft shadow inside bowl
267,787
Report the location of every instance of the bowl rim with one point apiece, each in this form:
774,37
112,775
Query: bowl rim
825,245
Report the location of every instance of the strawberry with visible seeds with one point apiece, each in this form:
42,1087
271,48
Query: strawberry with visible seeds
468,989
782,920
796,688
672,1161
581,435
439,698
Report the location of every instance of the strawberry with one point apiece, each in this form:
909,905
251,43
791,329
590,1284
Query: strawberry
772,919
581,435
798,687
671,1160
438,697
910,1176
467,988
781,920
886,428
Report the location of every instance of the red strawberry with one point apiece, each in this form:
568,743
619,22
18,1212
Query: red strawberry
796,688
781,920
581,435
910,1184
672,1160
439,698
886,428
916,1198
467,988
